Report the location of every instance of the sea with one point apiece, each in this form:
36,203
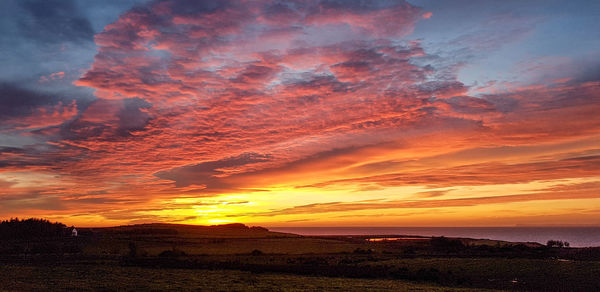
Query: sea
576,236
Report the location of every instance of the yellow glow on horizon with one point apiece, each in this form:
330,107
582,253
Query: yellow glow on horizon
227,208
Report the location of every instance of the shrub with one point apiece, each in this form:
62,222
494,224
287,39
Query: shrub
359,250
557,243
446,244
172,253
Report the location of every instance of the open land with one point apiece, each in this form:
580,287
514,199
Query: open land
239,258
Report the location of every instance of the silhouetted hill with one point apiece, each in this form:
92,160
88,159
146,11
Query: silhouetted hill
233,230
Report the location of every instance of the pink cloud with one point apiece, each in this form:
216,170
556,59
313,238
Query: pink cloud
52,76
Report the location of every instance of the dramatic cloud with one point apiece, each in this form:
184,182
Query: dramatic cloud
15,101
291,107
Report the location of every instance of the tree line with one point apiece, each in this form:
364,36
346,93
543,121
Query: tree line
16,228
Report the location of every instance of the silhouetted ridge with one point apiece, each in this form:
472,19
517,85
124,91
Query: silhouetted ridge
163,226
168,229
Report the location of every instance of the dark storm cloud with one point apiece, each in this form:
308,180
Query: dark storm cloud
10,150
206,173
503,104
217,176
43,45
131,117
54,21
194,7
469,105
108,120
46,43
16,101
589,71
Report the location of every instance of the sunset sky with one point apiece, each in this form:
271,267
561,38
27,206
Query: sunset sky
301,113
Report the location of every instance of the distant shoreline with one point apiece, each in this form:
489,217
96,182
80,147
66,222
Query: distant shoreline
580,236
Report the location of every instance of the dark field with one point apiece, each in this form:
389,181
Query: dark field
235,257
111,276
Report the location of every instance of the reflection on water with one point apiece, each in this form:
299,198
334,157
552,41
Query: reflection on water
396,238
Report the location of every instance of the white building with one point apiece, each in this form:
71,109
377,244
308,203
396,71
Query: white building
74,232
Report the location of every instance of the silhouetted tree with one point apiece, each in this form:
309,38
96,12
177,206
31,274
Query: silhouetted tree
173,252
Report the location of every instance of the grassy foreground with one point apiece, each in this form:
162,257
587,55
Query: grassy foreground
94,277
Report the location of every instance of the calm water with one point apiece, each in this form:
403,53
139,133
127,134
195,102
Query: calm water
576,236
